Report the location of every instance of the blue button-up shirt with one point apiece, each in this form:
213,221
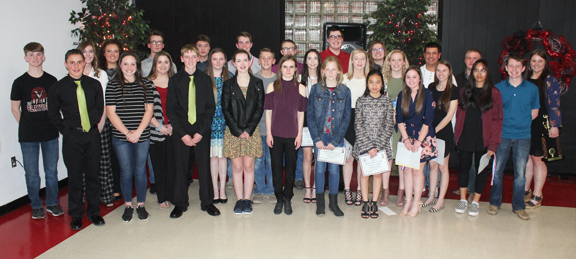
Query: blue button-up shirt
518,103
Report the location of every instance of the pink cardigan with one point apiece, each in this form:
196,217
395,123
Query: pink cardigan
491,122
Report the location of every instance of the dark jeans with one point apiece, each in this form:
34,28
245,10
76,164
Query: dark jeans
283,148
162,157
182,157
466,158
81,152
30,155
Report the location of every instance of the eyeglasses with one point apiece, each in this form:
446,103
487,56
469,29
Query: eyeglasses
156,43
288,49
335,37
377,50
476,71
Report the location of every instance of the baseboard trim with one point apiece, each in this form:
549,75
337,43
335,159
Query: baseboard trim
24,200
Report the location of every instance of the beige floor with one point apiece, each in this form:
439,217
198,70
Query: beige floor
550,233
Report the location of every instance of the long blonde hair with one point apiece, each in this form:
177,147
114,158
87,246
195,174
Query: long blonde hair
94,64
350,73
407,93
387,69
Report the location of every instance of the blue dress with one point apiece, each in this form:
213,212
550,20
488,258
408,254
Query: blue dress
218,123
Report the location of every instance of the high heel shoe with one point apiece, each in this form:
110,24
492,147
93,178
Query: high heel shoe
384,197
308,190
406,207
365,210
400,201
419,206
348,197
374,210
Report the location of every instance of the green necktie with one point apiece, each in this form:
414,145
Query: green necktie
191,101
85,120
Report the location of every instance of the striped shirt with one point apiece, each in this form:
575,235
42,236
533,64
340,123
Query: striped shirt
156,136
130,105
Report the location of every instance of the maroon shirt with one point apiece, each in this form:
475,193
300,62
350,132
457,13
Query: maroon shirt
285,107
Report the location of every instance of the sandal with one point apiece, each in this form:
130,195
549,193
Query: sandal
384,197
365,210
359,199
436,210
110,205
430,204
527,195
530,205
374,209
165,205
348,197
314,195
400,201
307,200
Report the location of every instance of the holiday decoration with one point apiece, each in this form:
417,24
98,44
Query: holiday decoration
102,20
403,24
563,65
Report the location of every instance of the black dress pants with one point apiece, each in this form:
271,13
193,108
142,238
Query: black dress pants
81,152
162,156
283,149
464,170
181,179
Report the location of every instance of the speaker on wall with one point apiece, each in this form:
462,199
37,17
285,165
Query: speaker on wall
354,35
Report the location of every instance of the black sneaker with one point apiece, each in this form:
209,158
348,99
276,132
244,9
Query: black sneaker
128,212
247,207
278,207
152,188
239,207
37,213
288,207
55,210
142,213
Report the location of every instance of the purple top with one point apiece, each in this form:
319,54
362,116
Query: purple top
285,107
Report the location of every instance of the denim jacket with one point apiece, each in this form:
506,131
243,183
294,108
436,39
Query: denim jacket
318,102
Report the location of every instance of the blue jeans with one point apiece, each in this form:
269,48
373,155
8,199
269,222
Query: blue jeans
151,170
132,160
30,157
320,170
299,161
263,170
520,150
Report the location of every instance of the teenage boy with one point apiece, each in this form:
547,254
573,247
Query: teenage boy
30,109
469,58
155,44
190,106
76,105
203,45
288,48
262,166
244,41
520,104
335,39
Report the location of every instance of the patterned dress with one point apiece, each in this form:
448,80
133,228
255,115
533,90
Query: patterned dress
238,147
218,123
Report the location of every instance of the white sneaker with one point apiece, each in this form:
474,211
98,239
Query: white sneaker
258,198
461,207
272,198
474,209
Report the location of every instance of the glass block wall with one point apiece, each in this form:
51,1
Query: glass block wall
304,19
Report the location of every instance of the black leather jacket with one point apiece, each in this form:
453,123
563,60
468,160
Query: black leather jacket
242,114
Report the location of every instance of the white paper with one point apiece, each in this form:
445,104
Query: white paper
387,211
440,147
407,158
484,161
335,156
348,148
376,165
306,138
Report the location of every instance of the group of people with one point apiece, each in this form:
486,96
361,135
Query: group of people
248,117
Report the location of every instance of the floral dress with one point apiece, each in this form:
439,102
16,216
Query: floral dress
218,123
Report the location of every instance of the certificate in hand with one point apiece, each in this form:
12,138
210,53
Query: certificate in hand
375,165
440,147
306,138
335,156
348,148
405,157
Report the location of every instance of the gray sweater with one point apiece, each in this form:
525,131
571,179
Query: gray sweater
374,125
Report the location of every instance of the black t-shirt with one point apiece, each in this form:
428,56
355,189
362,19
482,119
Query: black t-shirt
35,125
439,114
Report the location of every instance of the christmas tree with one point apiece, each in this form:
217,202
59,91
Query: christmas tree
102,20
403,24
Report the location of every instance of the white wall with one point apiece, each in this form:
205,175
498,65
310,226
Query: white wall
23,21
